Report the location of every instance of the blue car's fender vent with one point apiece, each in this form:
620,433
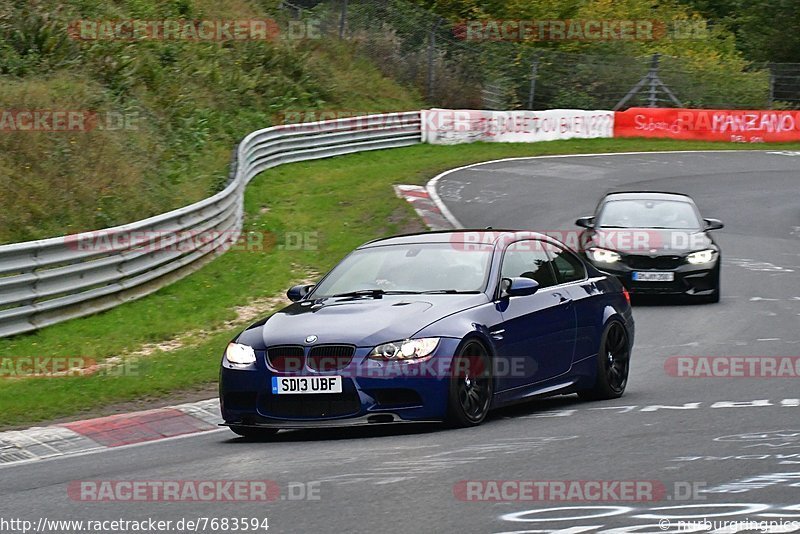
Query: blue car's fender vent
326,358
395,397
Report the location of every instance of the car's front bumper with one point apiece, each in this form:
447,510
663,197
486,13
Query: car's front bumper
365,420
693,280
372,393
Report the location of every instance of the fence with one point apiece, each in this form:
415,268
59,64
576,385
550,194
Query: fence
418,48
51,280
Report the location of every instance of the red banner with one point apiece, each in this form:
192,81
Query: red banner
736,126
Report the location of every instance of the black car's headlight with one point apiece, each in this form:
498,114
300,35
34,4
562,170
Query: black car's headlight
410,349
603,255
701,256
240,354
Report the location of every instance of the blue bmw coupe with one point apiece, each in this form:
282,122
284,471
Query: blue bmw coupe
431,327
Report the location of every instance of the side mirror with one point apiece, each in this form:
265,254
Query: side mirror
517,287
585,222
299,292
713,224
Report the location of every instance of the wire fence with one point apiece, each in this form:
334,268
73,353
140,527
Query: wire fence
420,49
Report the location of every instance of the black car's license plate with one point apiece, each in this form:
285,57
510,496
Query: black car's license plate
653,277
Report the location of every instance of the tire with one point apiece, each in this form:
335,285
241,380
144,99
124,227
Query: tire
471,386
254,433
613,365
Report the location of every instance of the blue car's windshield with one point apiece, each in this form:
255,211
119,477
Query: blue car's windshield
414,268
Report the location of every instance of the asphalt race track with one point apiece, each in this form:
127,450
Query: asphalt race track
723,449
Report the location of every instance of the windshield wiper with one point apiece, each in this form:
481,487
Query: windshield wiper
374,293
449,292
378,293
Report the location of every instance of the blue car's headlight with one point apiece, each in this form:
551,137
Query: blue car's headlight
702,256
410,349
240,354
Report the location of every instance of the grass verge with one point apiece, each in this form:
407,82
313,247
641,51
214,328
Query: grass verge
339,203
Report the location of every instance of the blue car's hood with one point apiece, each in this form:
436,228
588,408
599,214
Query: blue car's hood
364,322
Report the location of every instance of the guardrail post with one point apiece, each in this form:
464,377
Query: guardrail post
534,74
771,97
653,75
431,58
343,19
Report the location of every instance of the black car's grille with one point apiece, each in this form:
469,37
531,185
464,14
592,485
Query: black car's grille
327,358
286,358
316,405
653,262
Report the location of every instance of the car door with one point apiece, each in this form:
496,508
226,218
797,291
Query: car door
538,331
572,278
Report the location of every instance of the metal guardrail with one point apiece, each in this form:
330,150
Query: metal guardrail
51,280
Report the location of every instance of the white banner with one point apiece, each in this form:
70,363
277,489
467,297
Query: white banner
452,126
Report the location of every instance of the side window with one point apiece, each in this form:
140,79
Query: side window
567,265
528,259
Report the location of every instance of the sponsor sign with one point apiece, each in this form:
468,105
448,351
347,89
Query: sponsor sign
738,126
449,126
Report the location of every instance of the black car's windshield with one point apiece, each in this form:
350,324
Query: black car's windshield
446,268
645,213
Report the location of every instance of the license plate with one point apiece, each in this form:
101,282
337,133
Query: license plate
653,277
283,385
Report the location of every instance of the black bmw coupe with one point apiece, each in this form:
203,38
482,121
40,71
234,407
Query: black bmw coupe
655,243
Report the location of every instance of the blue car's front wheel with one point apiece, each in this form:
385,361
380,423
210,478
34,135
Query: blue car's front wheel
613,365
471,385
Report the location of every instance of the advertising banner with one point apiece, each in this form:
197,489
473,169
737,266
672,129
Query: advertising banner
453,126
738,126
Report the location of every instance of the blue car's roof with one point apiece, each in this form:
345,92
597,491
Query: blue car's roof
489,236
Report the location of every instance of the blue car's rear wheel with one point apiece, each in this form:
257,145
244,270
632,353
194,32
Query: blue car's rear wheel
471,385
613,365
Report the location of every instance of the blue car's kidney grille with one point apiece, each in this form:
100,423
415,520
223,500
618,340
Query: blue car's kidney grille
285,359
315,405
327,358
